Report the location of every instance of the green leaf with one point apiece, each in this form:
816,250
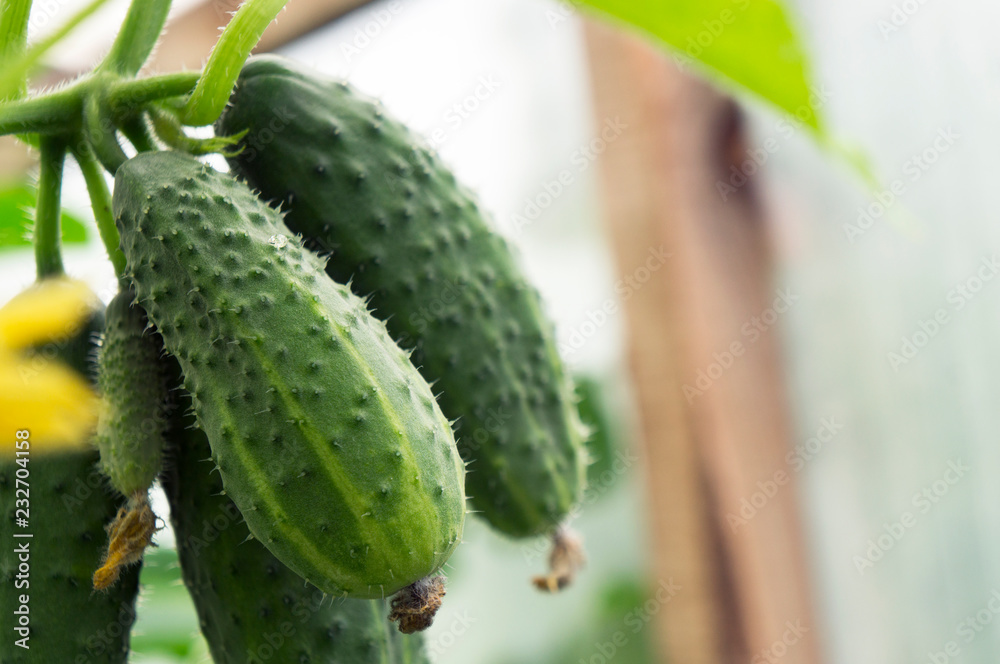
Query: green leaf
749,42
16,204
170,629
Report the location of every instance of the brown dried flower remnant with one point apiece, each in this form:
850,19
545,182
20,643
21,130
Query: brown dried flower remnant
128,536
414,606
565,561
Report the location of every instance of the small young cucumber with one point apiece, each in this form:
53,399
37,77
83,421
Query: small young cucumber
327,439
68,621
360,185
132,377
251,608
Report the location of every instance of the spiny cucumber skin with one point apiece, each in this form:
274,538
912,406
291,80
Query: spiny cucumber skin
363,187
69,507
132,377
251,608
327,439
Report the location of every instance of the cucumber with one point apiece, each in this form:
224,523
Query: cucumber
252,608
69,505
362,186
132,376
132,373
326,438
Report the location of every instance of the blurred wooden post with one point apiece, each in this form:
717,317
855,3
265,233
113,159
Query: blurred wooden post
743,587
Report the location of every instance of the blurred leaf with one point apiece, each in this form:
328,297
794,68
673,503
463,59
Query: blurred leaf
16,203
750,42
167,624
619,596
619,629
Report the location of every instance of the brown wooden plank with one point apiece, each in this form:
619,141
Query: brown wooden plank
627,87
706,451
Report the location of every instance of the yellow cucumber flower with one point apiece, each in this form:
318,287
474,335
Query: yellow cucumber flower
50,401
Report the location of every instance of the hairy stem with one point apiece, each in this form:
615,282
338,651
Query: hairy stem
137,37
60,111
55,113
100,201
136,130
130,96
48,256
228,55
101,134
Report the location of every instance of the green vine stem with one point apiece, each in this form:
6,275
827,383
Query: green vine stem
102,134
14,35
228,55
14,73
48,257
100,201
60,111
137,37
129,96
136,130
57,112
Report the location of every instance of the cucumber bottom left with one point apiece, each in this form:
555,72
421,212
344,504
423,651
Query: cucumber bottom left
69,623
251,608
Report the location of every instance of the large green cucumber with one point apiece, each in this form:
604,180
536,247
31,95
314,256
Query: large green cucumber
252,608
327,439
132,376
362,186
69,505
